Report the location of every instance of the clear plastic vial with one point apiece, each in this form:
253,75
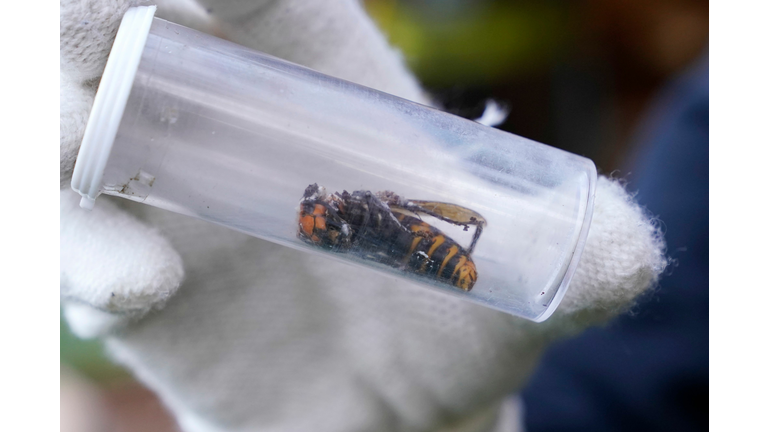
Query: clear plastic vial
203,127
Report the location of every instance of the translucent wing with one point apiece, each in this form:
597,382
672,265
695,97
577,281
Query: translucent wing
447,212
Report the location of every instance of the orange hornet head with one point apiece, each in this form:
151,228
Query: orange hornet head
319,221
311,218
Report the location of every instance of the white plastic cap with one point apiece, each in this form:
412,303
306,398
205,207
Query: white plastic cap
110,101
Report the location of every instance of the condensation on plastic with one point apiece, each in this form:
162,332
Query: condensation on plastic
229,135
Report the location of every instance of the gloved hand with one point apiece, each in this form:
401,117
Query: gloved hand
236,333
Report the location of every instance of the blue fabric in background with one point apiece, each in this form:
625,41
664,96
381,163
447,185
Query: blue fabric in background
648,370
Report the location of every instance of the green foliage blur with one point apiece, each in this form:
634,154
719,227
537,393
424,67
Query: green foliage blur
473,42
87,357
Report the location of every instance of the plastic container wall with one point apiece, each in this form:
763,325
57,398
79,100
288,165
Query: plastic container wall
222,133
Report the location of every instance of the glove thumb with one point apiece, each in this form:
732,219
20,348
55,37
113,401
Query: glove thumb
114,268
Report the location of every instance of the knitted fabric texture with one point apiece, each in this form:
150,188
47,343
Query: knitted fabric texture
624,255
244,334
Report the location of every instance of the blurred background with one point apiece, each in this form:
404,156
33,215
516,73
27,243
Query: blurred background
623,82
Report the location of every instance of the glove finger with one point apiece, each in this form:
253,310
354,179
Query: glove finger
335,37
188,13
113,262
232,10
87,29
623,257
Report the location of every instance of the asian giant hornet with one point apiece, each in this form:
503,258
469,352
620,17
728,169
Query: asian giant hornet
386,228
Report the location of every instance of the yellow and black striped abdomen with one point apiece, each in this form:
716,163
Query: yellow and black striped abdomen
434,254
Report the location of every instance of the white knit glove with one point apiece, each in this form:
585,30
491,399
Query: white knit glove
236,333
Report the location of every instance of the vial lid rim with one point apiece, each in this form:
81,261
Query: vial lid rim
109,103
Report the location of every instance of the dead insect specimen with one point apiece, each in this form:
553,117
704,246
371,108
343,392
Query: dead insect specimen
386,228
